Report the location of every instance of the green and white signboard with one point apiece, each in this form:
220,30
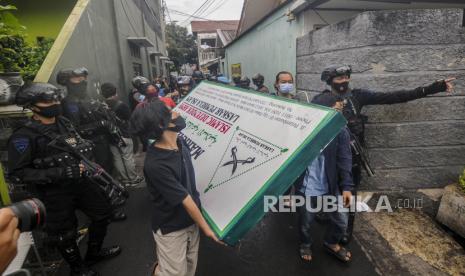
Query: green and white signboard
245,145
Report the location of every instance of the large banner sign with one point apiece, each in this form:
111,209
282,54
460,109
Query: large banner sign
246,145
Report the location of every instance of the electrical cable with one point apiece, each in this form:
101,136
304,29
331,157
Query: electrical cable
220,4
186,14
196,11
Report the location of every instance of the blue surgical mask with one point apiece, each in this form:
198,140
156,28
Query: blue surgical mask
286,88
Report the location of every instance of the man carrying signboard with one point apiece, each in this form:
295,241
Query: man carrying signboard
170,178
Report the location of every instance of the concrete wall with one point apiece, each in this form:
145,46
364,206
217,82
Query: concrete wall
99,42
413,145
270,46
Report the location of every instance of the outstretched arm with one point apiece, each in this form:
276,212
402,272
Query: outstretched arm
373,98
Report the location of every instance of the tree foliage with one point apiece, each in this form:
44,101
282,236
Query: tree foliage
181,46
16,55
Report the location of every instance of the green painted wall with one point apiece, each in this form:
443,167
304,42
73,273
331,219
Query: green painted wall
42,17
268,48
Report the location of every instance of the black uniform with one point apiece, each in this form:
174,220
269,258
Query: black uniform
87,116
34,162
354,101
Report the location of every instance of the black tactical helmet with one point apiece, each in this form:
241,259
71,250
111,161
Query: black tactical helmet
139,82
258,78
38,92
64,75
197,75
245,81
334,71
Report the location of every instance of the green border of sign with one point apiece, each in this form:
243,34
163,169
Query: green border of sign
279,182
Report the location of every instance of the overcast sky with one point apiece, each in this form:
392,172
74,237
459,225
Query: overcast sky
217,10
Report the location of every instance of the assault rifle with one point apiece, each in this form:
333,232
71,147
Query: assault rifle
359,151
93,172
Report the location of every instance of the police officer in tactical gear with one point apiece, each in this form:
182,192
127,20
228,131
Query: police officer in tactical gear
135,96
89,118
197,77
237,81
338,78
56,177
140,83
244,83
184,85
259,80
84,113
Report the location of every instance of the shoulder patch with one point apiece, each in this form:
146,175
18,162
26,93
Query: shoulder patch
73,108
21,144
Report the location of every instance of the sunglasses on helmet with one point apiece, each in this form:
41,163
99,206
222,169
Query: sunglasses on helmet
343,70
52,95
78,72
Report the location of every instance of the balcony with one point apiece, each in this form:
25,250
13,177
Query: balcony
207,55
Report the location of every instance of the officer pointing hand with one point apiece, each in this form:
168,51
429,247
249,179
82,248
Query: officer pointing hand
450,86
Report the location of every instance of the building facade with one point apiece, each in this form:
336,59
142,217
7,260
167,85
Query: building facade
212,37
115,40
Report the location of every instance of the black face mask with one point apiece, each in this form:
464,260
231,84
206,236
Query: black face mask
49,111
179,123
77,89
258,83
340,87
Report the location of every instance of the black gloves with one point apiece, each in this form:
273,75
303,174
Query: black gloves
435,87
71,172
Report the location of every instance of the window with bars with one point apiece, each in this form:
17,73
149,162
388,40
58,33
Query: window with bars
135,50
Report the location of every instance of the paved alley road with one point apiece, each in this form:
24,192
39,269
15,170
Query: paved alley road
269,249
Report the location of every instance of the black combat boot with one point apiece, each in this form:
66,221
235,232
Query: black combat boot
70,252
95,252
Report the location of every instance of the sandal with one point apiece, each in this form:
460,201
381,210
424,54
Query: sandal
341,254
305,251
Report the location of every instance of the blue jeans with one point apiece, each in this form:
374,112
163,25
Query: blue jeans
337,225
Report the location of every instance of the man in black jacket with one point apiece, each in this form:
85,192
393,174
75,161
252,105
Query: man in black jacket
90,119
84,113
338,77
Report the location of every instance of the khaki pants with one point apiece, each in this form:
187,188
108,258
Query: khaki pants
123,161
177,252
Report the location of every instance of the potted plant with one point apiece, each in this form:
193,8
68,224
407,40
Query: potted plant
12,48
452,208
